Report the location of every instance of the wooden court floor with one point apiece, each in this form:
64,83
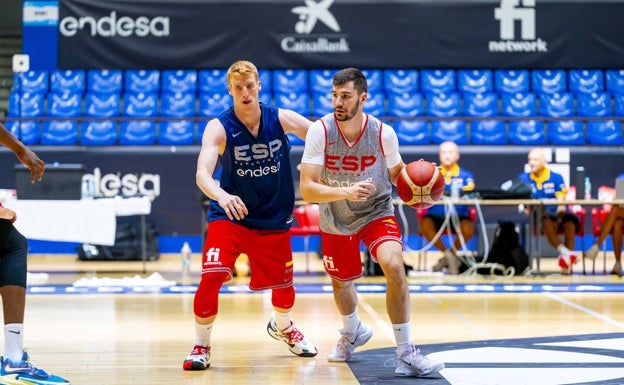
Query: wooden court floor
143,338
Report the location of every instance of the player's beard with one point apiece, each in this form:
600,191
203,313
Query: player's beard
350,114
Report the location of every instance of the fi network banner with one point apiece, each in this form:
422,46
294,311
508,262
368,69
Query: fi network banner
339,33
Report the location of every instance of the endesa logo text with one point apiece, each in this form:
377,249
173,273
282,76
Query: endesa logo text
349,162
110,185
111,25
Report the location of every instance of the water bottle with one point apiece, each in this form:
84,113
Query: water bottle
455,187
186,262
587,188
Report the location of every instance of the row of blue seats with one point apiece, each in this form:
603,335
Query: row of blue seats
99,104
415,131
319,80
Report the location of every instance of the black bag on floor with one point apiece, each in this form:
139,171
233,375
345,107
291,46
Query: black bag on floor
127,245
506,248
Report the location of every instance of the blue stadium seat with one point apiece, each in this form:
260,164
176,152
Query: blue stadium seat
142,105
405,104
549,81
566,132
296,101
177,132
481,104
29,132
557,104
64,104
139,132
437,81
594,104
100,132
527,132
102,105
31,105
266,80
265,97
182,80
374,80
449,130
512,81
488,132
26,105
519,104
321,104
68,81
412,132
399,81
59,133
294,140
32,82
105,80
605,132
212,81
146,81
619,104
177,105
212,104
286,81
62,132
321,80
586,81
615,81
523,132
475,81
443,104
375,104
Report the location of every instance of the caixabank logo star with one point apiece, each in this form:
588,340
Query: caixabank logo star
596,359
305,40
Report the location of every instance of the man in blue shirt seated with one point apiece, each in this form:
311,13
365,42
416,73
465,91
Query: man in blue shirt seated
434,217
546,184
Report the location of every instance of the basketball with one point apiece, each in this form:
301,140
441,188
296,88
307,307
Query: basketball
420,184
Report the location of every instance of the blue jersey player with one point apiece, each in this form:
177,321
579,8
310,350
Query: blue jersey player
250,210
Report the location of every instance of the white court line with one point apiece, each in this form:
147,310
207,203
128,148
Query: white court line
459,315
584,309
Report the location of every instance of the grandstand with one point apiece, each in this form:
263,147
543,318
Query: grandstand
487,107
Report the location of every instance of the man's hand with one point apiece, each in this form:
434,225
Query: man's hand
360,191
34,164
233,206
8,214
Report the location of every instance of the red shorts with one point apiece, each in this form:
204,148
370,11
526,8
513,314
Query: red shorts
341,253
269,251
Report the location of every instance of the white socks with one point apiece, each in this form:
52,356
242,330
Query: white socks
14,342
563,250
202,334
282,320
351,322
402,337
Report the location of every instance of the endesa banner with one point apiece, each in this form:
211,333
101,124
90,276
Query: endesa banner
340,33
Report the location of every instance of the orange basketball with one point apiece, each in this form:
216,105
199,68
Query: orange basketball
420,184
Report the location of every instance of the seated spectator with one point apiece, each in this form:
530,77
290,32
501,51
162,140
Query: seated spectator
614,225
547,184
434,217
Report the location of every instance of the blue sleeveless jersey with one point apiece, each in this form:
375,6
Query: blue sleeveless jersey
258,171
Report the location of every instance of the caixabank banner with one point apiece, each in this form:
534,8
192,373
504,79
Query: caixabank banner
340,33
